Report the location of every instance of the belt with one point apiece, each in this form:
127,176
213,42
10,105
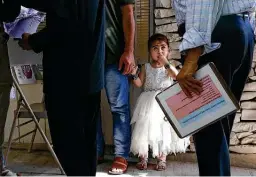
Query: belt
181,27
154,90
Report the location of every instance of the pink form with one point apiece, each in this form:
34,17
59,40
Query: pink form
182,106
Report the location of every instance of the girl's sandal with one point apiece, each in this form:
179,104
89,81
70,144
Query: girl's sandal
161,165
142,164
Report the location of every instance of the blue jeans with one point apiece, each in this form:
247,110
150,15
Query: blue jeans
117,90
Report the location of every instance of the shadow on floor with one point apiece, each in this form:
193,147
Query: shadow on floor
41,163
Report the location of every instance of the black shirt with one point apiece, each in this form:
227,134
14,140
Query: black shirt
73,43
114,30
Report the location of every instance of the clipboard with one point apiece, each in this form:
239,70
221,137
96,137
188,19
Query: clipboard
189,115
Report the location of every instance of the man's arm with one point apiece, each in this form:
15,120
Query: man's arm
38,41
128,27
201,18
40,5
127,59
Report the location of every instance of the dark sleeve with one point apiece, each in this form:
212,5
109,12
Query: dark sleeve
38,40
49,35
40,5
9,10
126,2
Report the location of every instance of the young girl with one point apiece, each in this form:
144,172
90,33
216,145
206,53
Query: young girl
150,126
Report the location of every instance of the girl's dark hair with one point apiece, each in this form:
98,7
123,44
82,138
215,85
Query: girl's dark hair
157,37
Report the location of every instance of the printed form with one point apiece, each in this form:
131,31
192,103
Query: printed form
187,110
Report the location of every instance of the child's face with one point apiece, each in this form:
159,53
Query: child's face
159,49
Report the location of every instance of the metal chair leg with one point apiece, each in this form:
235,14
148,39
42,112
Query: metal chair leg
12,131
33,138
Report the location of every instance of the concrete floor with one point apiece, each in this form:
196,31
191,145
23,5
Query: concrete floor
40,163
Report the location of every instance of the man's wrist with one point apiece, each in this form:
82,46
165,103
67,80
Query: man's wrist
196,52
129,49
193,55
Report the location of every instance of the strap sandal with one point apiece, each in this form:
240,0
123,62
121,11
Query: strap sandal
161,165
119,166
142,164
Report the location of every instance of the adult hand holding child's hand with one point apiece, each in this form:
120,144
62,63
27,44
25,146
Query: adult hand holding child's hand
134,70
127,61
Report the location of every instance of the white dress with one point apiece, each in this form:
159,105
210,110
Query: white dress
150,128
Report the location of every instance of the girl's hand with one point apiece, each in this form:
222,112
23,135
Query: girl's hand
134,70
163,60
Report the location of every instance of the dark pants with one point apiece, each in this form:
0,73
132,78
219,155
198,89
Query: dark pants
233,60
5,88
72,124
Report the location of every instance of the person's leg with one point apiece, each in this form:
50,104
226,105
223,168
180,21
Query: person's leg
4,105
212,143
72,121
5,88
117,89
100,138
90,134
66,130
241,75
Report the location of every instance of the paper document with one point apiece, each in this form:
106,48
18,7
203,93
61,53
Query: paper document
25,74
188,110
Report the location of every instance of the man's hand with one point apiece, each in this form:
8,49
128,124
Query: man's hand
185,77
127,61
23,43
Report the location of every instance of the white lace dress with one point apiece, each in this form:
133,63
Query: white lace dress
150,128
